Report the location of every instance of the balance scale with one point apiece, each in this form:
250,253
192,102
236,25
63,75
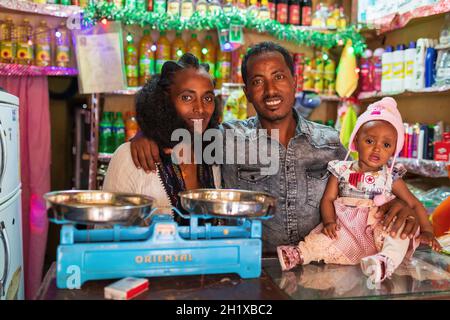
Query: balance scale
163,248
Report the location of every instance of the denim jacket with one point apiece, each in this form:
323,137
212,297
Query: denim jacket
299,182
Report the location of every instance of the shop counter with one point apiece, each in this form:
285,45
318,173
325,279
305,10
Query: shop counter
426,276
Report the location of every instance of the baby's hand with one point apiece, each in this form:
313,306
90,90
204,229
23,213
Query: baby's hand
330,230
428,238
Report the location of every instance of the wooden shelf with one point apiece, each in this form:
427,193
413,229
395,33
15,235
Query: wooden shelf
366,96
55,10
10,69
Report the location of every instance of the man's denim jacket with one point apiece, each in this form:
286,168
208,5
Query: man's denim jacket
299,182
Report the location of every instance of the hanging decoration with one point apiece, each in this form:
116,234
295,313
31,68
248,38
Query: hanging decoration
97,11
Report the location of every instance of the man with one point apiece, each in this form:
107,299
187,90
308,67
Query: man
305,148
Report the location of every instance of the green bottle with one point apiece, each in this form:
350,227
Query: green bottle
118,131
105,143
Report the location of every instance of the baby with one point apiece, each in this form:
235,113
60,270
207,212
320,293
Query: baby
351,232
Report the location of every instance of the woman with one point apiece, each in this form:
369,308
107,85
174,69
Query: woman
181,95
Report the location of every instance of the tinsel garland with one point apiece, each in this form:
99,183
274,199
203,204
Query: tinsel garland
296,34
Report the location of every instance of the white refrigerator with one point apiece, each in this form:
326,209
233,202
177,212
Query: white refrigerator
11,252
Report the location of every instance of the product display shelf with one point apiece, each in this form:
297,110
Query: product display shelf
133,90
7,69
400,20
55,10
444,90
425,168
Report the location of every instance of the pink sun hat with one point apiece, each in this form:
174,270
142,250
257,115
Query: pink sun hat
385,109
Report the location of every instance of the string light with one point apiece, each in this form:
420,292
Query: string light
179,53
153,48
104,21
129,38
58,34
204,50
351,50
227,46
325,56
357,70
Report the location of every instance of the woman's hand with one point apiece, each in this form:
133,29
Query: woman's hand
145,153
399,212
427,237
330,230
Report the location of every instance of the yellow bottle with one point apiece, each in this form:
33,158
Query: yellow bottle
7,41
62,42
40,1
318,73
178,47
195,47
131,63
162,51
25,43
146,58
209,54
42,42
223,68
329,77
308,81
331,19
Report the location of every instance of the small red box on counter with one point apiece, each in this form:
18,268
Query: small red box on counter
441,150
126,289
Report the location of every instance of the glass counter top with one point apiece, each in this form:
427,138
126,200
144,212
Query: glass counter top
425,276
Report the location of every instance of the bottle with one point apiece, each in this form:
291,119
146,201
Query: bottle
419,64
306,12
131,126
273,9
159,6
150,5
209,54
131,63
342,20
282,11
25,54
7,41
187,9
444,36
253,9
329,77
318,68
202,7
118,3
195,47
214,7
106,142
146,58
62,43
430,64
65,2
141,5
318,19
331,21
398,71
130,4
443,69
294,12
223,68
308,81
178,47
264,11
42,41
227,6
118,131
242,6
365,71
162,51
386,61
377,68
173,7
410,56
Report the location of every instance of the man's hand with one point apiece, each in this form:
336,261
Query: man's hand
145,153
399,212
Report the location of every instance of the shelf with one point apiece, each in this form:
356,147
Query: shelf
9,69
323,97
55,10
133,90
429,91
425,168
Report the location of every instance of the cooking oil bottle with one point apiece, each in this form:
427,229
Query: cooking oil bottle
178,47
25,54
195,47
223,68
209,54
162,51
146,58
42,41
7,41
62,42
131,63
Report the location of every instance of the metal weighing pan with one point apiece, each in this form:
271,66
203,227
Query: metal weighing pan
228,203
98,207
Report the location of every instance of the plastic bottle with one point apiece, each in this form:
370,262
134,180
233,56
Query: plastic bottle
294,12
387,59
318,68
410,56
227,6
118,131
342,20
430,65
329,80
241,5
209,54
119,3
398,70
306,12
178,47
332,21
264,11
282,11
377,68
105,143
444,36
162,51
131,63
214,7
131,126
273,9
62,43
43,41
202,7
223,68
7,41
146,58
173,7
308,82
25,54
366,79
419,64
318,19
195,47
187,9
443,68
253,9
159,6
